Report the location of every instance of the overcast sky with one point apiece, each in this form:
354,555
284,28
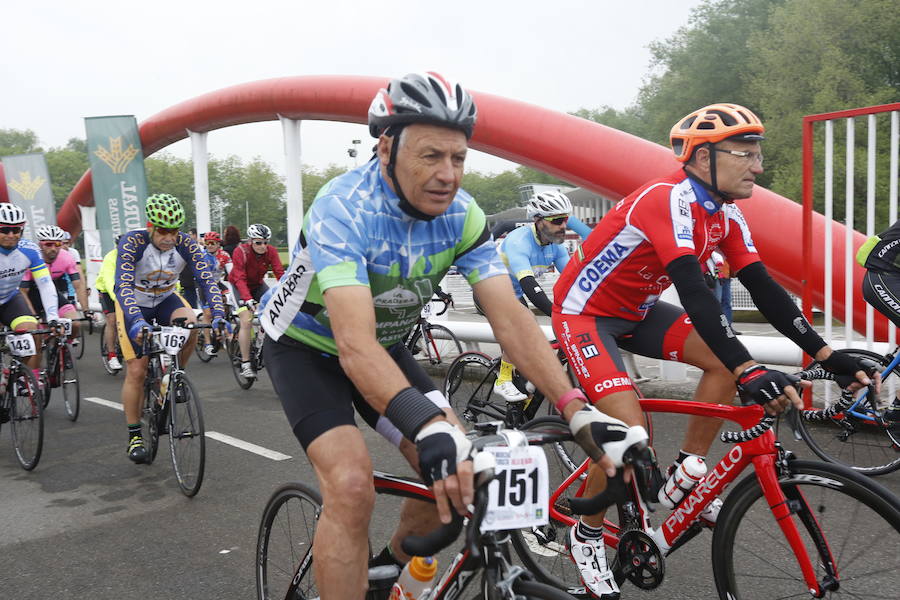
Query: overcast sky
64,60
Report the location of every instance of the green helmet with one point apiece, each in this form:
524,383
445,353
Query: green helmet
165,210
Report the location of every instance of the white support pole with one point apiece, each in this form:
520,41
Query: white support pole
870,218
293,178
848,238
892,206
829,229
93,252
201,181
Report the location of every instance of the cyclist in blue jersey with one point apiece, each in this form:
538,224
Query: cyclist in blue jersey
374,245
529,252
18,256
148,264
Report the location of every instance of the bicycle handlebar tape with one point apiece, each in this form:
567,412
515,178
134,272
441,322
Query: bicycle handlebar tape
409,410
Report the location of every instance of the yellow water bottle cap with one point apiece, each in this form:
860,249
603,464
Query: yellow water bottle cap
423,568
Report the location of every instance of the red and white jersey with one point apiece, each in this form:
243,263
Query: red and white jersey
619,271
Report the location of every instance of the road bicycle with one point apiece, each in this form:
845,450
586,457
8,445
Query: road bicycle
431,343
469,386
21,402
217,340
60,369
853,431
257,337
284,553
171,404
791,528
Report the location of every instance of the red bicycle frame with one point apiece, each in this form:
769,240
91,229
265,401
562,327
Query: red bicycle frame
759,452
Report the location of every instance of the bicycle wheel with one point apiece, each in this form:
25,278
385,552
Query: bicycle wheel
284,562
187,439
151,410
79,347
26,415
469,387
234,355
437,346
200,351
68,379
859,439
840,515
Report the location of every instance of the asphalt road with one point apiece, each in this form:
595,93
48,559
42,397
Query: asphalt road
87,523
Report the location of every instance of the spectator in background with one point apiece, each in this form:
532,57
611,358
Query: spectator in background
186,278
723,289
232,239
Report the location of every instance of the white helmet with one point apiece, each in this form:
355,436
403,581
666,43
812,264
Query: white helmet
51,233
10,214
549,204
259,231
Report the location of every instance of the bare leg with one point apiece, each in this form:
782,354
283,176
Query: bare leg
341,541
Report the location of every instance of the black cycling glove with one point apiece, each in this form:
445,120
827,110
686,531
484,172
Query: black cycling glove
761,385
844,367
441,446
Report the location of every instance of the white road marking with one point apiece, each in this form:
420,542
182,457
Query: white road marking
237,443
213,435
106,403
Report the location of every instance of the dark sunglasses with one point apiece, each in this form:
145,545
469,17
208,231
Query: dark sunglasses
11,229
167,230
260,243
557,220
48,244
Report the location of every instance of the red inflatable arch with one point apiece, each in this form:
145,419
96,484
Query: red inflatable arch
605,160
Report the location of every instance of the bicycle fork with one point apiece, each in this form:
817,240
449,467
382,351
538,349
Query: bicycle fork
782,509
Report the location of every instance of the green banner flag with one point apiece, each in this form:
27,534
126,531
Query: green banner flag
117,173
28,186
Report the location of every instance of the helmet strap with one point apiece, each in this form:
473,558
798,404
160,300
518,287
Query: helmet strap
713,185
405,206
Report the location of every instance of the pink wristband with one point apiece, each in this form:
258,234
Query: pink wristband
573,394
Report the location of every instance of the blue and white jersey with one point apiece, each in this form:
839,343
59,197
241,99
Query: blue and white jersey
356,234
26,256
146,275
524,255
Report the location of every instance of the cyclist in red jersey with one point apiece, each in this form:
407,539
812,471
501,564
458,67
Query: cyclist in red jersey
250,263
607,298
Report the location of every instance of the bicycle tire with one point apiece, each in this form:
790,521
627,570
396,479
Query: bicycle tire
68,380
529,589
469,387
434,350
104,352
80,353
284,542
200,351
26,415
856,516
234,356
150,411
187,435
869,446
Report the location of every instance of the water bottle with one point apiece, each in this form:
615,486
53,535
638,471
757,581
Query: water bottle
4,380
416,579
682,481
381,579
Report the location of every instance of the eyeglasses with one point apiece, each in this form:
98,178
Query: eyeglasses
167,230
557,220
48,244
750,157
11,229
260,243
212,243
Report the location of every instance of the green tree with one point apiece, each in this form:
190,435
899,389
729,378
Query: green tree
822,56
66,165
17,141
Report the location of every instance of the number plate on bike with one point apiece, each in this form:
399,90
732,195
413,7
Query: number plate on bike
66,324
520,495
172,339
21,345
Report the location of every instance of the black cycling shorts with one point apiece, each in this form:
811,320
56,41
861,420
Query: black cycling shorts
107,305
15,312
881,289
317,395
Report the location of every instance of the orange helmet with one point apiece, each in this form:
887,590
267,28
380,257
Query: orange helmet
712,124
